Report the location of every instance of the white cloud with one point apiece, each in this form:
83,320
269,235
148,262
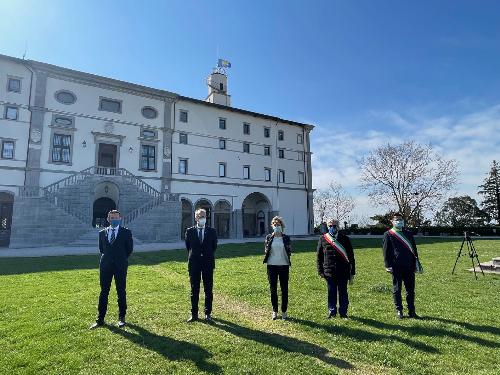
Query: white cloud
472,139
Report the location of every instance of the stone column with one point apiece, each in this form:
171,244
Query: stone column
168,128
237,224
307,155
36,130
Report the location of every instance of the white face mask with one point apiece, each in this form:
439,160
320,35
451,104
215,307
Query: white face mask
202,221
277,229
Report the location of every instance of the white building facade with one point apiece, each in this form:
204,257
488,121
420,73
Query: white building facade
75,145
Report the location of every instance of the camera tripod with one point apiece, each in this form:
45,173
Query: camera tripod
472,254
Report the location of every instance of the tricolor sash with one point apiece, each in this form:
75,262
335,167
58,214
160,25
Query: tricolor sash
407,244
336,245
402,239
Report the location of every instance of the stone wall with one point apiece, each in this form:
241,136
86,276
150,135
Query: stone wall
161,224
36,222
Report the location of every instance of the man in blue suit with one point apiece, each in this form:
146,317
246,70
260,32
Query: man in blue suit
201,243
115,245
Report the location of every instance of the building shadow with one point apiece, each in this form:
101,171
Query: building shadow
363,335
169,348
285,343
420,330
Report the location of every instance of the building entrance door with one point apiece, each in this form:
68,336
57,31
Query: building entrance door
6,207
107,155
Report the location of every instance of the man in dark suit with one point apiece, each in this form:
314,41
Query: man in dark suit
400,256
115,245
336,264
201,243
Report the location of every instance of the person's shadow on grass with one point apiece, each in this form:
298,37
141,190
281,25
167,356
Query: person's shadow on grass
363,335
285,343
429,331
171,349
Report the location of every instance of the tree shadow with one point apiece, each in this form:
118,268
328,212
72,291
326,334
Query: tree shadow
285,343
171,349
362,335
428,331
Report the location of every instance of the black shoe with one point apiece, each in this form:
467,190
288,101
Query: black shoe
331,314
343,316
413,315
208,318
399,314
193,318
121,323
97,324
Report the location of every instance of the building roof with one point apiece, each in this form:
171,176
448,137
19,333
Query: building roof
132,87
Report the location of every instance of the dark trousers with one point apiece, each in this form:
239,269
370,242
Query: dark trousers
408,278
195,276
106,273
273,274
339,285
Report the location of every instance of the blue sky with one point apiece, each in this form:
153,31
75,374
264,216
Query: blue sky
364,72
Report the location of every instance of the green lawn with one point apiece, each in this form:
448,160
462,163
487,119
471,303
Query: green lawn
47,305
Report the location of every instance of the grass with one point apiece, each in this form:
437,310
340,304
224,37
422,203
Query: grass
47,305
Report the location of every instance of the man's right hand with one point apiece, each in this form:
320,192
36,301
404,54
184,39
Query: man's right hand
388,269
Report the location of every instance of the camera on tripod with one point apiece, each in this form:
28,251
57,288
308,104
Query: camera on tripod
471,252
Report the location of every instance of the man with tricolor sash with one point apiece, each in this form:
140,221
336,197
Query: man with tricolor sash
401,259
336,264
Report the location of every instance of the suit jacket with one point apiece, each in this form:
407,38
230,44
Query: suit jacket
201,254
121,248
269,242
330,263
396,254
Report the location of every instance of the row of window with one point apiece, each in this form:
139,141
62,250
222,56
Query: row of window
183,139
61,153
67,97
183,169
183,117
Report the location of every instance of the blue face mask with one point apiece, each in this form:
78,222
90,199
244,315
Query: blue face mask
115,222
332,230
398,224
277,229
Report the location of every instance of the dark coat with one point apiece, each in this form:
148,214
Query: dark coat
396,254
268,243
119,251
330,263
201,254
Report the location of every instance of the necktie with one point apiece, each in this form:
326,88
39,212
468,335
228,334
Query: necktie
112,238
200,236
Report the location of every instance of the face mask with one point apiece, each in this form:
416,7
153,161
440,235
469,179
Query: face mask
277,229
398,224
332,229
202,221
115,222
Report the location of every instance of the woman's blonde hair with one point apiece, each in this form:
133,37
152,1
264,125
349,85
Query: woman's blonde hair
280,219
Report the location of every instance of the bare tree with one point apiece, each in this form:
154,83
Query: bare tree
410,177
321,204
342,204
332,203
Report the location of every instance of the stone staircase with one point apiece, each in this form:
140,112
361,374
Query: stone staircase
153,216
91,239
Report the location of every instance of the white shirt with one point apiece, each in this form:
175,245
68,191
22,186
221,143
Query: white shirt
278,256
110,229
